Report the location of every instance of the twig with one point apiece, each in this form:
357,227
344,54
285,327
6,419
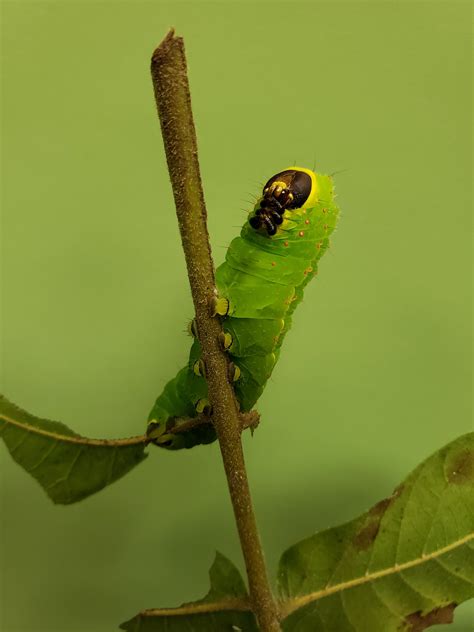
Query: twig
185,424
64,438
173,100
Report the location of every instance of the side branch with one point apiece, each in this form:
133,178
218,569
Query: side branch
170,82
185,424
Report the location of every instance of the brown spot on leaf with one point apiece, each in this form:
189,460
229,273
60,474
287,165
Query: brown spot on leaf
367,534
460,468
364,538
417,622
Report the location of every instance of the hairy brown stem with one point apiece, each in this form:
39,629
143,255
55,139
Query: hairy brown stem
170,82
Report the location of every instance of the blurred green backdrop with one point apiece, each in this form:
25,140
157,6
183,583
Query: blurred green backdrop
376,373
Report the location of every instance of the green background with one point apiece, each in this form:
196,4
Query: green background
376,373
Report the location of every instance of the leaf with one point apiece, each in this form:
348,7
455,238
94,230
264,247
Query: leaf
401,567
68,467
225,608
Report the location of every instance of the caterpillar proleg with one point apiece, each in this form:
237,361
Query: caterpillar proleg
259,285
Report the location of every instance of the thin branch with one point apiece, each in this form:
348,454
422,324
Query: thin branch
107,443
185,424
173,100
181,424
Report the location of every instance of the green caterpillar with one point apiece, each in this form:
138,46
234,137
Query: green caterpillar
259,286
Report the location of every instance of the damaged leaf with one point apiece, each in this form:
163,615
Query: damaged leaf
402,567
417,622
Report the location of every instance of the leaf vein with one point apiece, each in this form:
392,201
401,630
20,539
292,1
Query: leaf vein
290,605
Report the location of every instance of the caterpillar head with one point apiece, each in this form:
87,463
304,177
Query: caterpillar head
288,190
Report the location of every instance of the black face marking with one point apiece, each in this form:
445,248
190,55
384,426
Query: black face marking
298,183
284,191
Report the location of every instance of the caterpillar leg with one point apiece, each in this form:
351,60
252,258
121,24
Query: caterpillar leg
166,433
155,429
192,328
177,440
234,372
203,406
159,435
220,306
199,368
226,340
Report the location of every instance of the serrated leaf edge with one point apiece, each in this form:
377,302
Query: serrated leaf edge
288,606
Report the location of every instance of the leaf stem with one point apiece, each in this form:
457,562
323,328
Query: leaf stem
66,438
170,82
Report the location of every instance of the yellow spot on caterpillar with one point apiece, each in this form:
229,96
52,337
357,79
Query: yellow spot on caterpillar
306,221
325,210
319,245
285,243
301,233
273,263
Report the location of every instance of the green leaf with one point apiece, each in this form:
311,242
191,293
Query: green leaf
68,467
401,567
225,608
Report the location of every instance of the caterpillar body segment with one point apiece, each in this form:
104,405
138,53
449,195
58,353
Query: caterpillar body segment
262,279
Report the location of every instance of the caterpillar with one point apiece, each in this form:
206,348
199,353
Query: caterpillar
259,286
